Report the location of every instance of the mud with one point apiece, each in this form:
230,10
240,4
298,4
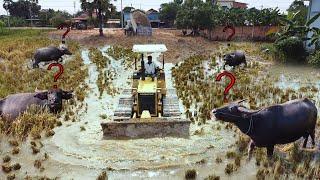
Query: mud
76,154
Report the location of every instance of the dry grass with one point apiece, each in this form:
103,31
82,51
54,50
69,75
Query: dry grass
104,81
191,174
32,122
103,176
212,177
16,50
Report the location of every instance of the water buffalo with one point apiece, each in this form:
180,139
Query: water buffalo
277,124
48,54
234,59
14,105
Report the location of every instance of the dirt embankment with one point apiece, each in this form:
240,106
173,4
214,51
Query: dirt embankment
179,47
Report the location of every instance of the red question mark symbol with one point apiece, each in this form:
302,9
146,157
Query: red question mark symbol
232,82
232,29
64,35
56,76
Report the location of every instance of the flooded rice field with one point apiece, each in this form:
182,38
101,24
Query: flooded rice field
77,150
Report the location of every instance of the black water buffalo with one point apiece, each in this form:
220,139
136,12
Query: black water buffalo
234,59
277,124
48,54
14,105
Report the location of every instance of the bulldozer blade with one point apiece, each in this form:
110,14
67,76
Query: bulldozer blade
146,128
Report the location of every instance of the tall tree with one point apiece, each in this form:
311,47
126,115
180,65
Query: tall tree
195,14
103,9
168,11
23,8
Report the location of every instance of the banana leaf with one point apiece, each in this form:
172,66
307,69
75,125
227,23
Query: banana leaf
313,19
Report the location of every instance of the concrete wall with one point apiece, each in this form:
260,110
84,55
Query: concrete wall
314,9
242,33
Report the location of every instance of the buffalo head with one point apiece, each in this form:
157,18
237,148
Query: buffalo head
230,113
65,50
54,98
228,57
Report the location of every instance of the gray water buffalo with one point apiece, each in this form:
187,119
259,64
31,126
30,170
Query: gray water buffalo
48,54
277,124
14,105
234,59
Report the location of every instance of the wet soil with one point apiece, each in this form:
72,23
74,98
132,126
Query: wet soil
82,153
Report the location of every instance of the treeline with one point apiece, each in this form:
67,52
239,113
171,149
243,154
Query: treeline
22,10
196,14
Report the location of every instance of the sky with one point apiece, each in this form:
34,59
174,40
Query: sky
68,5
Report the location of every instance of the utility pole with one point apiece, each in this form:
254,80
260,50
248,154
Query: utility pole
74,9
30,14
122,18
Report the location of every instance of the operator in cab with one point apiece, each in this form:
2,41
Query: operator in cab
151,68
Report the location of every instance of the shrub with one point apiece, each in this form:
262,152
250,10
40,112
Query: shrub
2,27
57,20
17,22
314,59
290,50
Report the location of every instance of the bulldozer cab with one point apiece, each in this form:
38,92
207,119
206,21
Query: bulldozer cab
148,92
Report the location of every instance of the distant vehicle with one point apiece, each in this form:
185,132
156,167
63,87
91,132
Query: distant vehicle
138,24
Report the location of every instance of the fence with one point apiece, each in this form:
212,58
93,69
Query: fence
256,33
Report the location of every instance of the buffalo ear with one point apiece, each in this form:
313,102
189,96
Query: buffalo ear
42,95
67,95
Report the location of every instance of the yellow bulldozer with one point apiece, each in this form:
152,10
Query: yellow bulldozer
148,109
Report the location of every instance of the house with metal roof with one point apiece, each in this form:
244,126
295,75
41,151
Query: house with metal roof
231,4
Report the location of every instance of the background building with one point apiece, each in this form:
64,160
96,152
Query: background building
231,4
153,16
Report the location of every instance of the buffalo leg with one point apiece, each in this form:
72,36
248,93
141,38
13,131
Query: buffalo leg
313,138
270,151
36,64
1,103
305,140
250,149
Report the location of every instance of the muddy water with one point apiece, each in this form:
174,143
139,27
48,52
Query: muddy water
295,77
292,77
84,154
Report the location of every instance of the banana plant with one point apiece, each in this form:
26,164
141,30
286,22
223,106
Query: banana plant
292,28
315,37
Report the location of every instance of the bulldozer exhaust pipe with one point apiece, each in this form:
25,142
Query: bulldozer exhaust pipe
135,63
163,61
